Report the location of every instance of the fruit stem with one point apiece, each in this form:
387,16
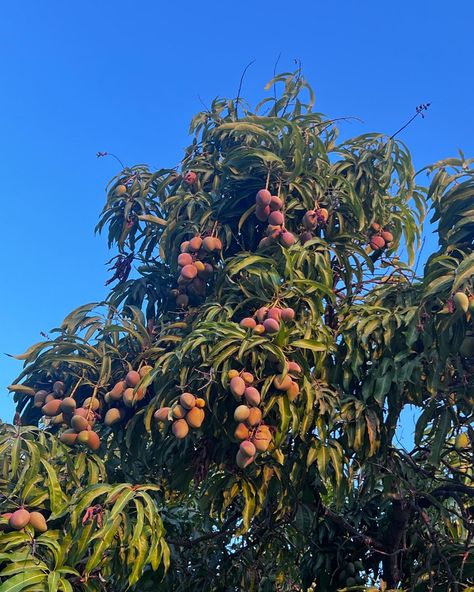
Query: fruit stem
268,179
76,386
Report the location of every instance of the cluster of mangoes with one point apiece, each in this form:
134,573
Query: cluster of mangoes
350,575
126,393
268,319
21,518
196,266
268,209
313,219
253,435
379,237
63,411
187,412
288,383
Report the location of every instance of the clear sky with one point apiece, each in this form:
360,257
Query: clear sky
126,77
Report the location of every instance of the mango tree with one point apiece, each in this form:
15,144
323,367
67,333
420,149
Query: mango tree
227,418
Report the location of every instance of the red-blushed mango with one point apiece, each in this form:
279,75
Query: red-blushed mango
200,402
271,326
247,448
310,220
322,215
252,396
265,242
68,405
255,417
195,417
182,300
293,391
305,237
237,386
38,522
187,400
144,370
241,413
180,428
83,437
262,213
162,414
263,197
189,272
68,437
184,247
132,378
387,236
217,244
276,203
274,313
261,440
294,367
52,408
287,314
377,243
128,398
261,314
178,411
209,244
248,323
94,441
232,374
190,178
259,329
195,243
242,460
282,384
19,519
113,416
79,423
375,226
287,239
276,218
241,432
185,259
117,391
247,377
50,397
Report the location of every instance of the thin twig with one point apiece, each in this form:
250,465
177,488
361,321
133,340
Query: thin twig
240,88
419,111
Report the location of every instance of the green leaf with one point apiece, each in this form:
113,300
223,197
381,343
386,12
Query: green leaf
23,581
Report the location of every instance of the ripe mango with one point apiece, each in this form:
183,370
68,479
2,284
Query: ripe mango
263,197
252,396
237,386
144,370
282,384
19,519
247,448
187,400
38,522
255,417
180,428
271,326
241,413
83,437
94,441
52,408
241,432
79,423
195,417
242,460
68,405
68,437
162,414
248,323
117,392
132,378
112,416
201,403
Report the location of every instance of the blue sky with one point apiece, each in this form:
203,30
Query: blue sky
79,77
